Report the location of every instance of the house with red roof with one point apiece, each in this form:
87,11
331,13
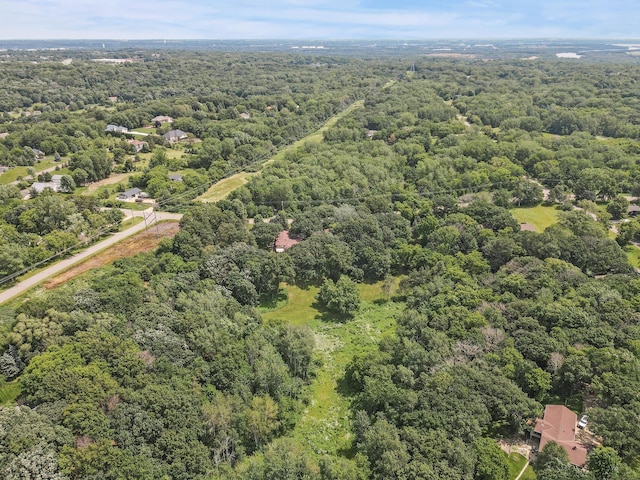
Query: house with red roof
284,242
559,425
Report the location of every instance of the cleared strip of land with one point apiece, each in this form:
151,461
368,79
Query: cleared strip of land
63,265
141,242
325,424
224,187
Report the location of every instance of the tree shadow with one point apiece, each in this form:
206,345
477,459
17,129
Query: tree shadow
346,388
328,316
272,302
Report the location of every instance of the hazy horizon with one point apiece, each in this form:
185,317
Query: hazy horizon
319,20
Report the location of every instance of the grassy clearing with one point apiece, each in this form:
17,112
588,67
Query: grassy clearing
324,426
298,309
9,391
224,187
7,316
108,182
633,255
13,174
516,463
540,217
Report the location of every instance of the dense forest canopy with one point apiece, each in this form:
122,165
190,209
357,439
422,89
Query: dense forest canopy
163,365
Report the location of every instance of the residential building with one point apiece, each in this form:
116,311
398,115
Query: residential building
41,186
174,136
559,425
129,194
162,119
284,242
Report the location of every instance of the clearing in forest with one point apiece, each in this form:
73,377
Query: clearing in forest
145,241
540,216
325,425
116,178
224,187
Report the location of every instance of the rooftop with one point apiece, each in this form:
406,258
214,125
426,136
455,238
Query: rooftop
559,425
284,242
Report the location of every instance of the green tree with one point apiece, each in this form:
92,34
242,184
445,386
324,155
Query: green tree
341,297
604,463
552,454
491,463
618,207
261,419
67,184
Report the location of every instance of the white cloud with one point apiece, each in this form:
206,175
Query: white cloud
313,19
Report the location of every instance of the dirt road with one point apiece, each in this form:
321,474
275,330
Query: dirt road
58,267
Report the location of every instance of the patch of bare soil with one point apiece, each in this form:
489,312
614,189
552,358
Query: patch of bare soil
515,444
141,242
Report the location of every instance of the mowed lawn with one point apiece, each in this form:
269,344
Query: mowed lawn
633,255
540,217
516,463
324,426
13,174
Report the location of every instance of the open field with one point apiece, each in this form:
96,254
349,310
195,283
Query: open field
224,187
111,180
324,426
13,174
141,242
540,216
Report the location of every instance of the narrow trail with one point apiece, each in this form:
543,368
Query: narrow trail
522,471
220,190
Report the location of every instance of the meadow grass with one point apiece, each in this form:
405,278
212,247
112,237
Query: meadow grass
220,190
130,222
540,216
325,425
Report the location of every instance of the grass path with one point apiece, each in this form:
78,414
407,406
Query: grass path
224,187
324,426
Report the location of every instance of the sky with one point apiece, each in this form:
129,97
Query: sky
319,19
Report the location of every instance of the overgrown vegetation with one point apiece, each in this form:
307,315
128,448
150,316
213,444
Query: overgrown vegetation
408,320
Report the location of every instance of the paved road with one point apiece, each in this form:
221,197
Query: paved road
58,267
35,175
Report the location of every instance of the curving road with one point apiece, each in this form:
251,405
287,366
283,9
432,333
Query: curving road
58,267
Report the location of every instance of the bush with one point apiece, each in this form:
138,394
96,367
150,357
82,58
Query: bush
341,297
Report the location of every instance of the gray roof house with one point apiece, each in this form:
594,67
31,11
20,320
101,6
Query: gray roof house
633,210
41,186
175,177
129,194
56,179
116,129
174,136
162,119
